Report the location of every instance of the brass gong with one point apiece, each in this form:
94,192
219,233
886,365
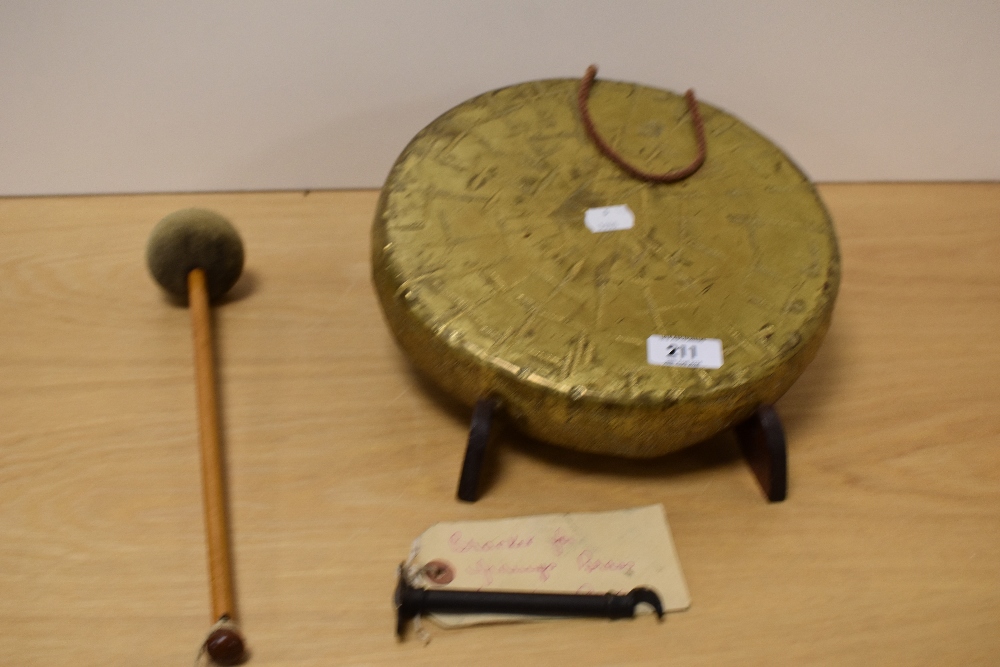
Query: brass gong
494,286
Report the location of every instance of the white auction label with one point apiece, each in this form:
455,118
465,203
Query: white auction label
684,352
609,218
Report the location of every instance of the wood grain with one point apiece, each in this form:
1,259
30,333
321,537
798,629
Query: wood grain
886,551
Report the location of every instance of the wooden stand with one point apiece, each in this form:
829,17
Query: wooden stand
475,452
761,438
762,441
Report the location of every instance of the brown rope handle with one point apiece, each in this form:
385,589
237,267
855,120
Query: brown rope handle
669,177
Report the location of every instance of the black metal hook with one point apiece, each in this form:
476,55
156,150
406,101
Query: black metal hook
412,602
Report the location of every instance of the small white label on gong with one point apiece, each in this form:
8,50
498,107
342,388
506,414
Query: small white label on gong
684,352
609,218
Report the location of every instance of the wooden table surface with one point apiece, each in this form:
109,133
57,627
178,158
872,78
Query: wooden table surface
886,552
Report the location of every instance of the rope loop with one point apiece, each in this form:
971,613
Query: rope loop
668,177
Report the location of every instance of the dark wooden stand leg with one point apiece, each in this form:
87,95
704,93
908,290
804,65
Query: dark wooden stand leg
475,452
762,440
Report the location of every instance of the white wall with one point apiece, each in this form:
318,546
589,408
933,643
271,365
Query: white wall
125,96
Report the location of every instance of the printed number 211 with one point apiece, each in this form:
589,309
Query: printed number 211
682,351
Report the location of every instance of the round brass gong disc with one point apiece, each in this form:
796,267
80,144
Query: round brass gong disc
493,285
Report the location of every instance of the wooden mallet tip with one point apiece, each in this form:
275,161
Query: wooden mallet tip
225,646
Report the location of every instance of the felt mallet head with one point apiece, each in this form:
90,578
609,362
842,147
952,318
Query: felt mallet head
195,238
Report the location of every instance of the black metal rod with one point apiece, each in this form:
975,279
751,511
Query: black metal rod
411,602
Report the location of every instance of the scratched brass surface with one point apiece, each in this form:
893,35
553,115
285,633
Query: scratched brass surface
492,285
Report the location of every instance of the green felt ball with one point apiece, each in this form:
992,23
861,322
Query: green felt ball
190,239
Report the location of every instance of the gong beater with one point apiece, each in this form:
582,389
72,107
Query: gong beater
196,255
496,290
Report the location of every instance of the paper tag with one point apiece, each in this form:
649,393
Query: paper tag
684,352
596,552
609,218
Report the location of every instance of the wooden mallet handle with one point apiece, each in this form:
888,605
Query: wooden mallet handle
216,525
225,645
